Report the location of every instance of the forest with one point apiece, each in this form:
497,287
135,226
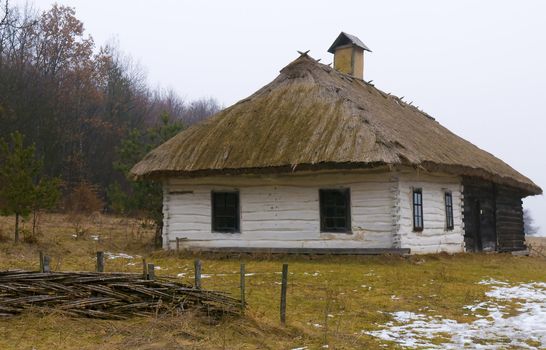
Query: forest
85,108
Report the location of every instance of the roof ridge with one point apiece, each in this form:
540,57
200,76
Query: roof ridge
305,56
312,115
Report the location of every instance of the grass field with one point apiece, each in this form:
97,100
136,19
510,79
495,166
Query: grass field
333,302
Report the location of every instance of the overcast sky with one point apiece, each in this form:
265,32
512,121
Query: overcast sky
478,67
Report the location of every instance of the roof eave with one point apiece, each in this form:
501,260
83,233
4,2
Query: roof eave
527,189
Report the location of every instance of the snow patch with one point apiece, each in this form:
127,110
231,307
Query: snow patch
113,256
496,330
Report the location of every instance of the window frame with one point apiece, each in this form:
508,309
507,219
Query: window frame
417,208
236,229
450,222
322,211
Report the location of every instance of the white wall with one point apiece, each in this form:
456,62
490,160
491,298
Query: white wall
281,211
435,237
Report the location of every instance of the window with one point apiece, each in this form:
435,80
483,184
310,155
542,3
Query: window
225,212
449,210
417,209
335,210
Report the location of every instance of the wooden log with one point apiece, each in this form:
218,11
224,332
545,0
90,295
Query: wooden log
284,285
100,261
242,286
318,251
197,268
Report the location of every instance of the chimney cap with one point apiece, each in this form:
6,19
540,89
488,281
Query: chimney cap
347,39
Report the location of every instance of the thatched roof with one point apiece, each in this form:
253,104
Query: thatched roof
314,117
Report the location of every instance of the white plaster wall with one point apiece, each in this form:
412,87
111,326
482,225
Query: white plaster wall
281,211
435,237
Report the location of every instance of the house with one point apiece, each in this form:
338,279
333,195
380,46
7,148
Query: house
320,159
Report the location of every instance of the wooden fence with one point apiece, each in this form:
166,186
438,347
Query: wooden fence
118,295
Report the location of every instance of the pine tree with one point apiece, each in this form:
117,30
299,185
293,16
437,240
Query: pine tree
142,197
22,189
46,196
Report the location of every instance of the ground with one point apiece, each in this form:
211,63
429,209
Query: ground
443,301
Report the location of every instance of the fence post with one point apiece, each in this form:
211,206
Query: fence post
41,261
197,266
144,269
151,272
242,285
284,285
46,264
100,261
177,244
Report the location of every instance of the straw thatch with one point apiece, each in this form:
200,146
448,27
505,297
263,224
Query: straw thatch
314,117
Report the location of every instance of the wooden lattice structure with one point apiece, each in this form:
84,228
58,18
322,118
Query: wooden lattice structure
106,295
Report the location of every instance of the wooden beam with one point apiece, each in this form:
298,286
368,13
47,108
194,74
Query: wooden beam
318,251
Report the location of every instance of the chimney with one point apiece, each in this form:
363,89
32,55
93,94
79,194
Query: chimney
348,53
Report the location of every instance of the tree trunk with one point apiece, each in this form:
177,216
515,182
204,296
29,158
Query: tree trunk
16,227
158,238
33,222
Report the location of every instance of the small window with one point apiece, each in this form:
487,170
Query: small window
449,210
335,210
417,209
225,212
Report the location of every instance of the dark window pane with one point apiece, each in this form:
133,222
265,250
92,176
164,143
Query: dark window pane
417,210
340,222
334,210
225,212
340,211
449,210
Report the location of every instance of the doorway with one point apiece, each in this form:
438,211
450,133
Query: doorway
477,215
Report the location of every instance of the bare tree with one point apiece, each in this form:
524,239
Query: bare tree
74,101
528,223
200,109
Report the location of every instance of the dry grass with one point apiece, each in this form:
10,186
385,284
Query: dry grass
330,299
537,246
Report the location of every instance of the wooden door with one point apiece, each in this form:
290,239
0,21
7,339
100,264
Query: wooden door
477,229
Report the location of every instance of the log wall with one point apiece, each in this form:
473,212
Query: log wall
281,211
509,215
434,237
479,215
498,222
